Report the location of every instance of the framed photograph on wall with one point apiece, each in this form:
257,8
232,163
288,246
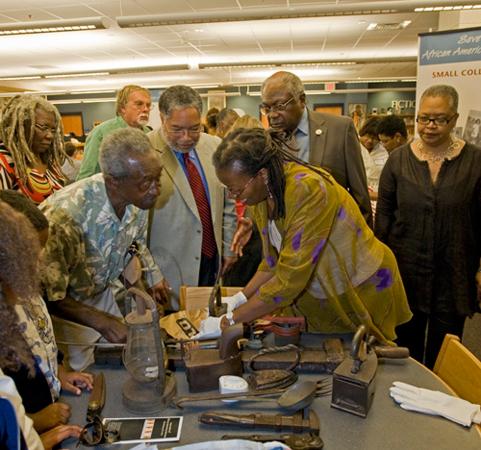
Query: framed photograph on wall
215,99
358,113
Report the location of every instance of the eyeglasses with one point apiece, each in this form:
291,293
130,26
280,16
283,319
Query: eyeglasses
141,105
439,121
239,192
194,131
45,129
95,433
279,107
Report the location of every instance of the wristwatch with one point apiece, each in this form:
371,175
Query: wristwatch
230,318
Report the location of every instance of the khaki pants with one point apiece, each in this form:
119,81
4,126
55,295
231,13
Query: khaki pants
79,357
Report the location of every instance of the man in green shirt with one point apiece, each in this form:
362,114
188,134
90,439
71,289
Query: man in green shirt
133,109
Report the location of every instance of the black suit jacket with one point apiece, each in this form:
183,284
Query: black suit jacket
334,145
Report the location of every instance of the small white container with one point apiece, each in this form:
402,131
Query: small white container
230,384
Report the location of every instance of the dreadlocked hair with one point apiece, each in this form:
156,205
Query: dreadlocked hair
19,252
254,149
17,131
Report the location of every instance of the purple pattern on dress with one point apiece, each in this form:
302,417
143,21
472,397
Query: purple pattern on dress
296,240
299,176
384,279
277,299
358,232
270,261
264,231
341,213
317,250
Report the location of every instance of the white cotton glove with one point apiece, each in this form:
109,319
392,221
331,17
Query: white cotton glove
234,301
209,328
436,403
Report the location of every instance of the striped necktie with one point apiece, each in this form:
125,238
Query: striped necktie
209,247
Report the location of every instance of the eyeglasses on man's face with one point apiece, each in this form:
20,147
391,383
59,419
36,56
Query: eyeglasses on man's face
178,132
140,105
440,121
279,107
45,129
237,193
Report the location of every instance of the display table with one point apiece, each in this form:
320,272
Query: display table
386,427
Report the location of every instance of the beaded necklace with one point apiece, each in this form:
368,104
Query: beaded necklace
449,153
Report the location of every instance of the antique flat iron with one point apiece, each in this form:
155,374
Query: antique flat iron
353,380
203,367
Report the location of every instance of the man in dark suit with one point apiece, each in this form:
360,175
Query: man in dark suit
323,139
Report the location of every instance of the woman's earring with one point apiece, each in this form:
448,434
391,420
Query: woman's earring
269,193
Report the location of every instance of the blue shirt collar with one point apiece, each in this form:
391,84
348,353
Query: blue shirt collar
303,125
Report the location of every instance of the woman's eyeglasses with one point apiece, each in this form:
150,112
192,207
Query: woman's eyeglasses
45,129
238,193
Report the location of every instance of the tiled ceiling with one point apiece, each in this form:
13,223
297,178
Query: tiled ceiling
320,39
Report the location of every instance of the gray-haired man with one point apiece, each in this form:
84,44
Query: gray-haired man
322,139
192,221
92,225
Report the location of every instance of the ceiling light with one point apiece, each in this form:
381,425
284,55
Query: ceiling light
249,65
388,26
75,75
26,77
51,26
291,12
448,7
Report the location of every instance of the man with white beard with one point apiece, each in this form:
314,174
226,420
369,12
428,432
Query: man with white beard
133,109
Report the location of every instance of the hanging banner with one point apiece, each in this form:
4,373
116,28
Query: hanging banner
454,58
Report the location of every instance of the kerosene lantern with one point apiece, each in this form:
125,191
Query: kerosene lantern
150,387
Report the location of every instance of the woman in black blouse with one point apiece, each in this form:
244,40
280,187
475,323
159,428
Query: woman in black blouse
429,213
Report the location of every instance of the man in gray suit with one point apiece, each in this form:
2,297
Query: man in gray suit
192,222
323,139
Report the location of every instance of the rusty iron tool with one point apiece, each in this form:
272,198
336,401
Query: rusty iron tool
310,441
216,307
353,381
296,423
297,396
97,397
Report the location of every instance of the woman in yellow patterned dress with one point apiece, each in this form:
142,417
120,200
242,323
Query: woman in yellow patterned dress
320,259
31,147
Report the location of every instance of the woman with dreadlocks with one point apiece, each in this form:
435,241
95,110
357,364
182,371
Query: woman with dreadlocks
31,147
320,259
19,251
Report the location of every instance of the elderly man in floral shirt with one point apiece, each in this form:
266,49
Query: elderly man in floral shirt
93,223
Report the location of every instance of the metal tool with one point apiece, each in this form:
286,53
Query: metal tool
297,396
294,441
204,366
97,397
353,380
216,307
300,422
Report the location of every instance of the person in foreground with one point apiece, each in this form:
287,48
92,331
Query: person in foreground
320,259
429,213
19,252
92,225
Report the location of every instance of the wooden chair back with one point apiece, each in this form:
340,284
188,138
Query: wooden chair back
193,297
459,369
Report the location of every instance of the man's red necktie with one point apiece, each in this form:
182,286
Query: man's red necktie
209,247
